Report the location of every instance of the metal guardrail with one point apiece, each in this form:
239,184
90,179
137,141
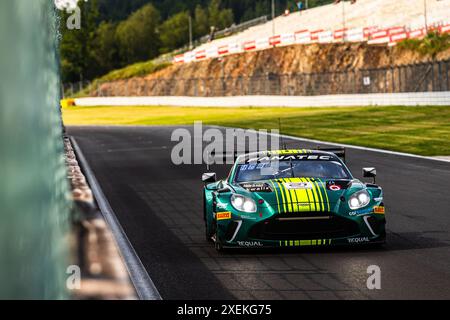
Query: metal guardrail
422,77
168,57
234,29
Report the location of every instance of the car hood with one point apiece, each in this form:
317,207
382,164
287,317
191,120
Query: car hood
301,194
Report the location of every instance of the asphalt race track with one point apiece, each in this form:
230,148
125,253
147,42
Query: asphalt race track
159,206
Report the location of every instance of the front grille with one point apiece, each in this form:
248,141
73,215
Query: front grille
304,227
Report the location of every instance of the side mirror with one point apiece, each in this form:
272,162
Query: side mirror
209,177
370,173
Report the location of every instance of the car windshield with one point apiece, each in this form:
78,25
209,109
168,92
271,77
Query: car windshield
291,169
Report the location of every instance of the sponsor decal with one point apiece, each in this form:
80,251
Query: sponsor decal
338,185
334,187
298,185
221,205
358,240
378,210
303,204
250,244
289,152
223,216
249,217
360,212
256,187
290,157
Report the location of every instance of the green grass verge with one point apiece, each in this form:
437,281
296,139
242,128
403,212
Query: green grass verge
418,130
135,70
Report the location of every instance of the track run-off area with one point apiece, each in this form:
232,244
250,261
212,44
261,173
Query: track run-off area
159,206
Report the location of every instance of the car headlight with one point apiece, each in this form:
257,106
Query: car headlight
359,200
243,204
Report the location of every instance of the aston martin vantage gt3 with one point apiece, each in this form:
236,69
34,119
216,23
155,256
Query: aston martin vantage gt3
293,198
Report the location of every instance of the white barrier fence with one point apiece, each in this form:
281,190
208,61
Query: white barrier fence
372,35
344,100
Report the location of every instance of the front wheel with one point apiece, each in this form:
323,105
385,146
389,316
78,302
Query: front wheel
218,246
217,243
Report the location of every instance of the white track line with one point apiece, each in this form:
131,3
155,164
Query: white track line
349,146
142,282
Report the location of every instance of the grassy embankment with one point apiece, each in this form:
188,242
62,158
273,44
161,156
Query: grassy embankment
139,69
418,130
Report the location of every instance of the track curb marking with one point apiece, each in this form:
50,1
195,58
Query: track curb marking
145,288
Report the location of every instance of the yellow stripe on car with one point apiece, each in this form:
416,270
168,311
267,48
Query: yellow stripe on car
294,197
324,188
318,193
305,243
291,196
309,195
276,195
283,199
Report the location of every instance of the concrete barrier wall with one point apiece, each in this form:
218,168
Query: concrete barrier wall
379,99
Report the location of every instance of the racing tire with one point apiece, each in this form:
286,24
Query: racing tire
217,243
218,246
208,234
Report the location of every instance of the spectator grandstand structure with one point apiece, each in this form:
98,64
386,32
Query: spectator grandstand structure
375,21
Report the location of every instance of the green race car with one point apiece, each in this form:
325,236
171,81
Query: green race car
292,198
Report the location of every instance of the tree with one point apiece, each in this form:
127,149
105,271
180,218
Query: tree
75,50
137,36
201,23
113,36
226,18
212,16
105,50
219,18
174,32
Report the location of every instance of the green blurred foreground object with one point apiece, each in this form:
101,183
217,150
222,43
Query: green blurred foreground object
34,204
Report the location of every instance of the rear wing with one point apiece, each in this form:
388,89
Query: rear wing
225,156
339,152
